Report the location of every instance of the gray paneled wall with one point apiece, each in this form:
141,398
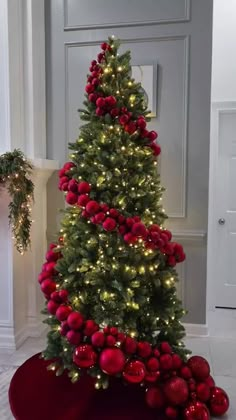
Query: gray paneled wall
175,35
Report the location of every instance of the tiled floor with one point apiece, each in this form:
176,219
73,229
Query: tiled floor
220,352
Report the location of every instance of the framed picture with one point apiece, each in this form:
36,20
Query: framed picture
146,74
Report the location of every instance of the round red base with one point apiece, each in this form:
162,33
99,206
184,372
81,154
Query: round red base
36,393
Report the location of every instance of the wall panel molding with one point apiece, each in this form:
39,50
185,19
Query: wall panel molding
129,23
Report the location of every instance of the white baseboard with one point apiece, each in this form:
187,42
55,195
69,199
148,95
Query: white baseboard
7,338
196,330
9,341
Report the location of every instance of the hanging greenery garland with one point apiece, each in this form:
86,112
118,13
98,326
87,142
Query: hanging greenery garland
15,172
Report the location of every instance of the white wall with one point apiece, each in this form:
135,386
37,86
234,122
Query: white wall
224,51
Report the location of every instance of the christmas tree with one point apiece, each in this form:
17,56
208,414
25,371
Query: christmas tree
110,279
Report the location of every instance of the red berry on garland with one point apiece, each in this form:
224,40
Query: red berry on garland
68,165
92,97
90,327
155,397
89,88
171,261
134,372
176,391
109,224
75,320
98,339
171,413
104,46
219,401
210,382
52,256
177,361
114,213
203,392
92,207
84,187
71,198
121,337
196,411
84,356
95,82
153,364
52,307
122,230
165,347
104,207
156,149
110,341
141,123
112,361
144,349
64,187
74,337
50,268
42,276
48,286
200,367
63,312
166,362
56,297
115,112
152,135
114,331
83,200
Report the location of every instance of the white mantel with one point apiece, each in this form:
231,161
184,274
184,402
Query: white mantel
23,126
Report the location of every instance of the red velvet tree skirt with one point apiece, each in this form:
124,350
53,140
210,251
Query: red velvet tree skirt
38,394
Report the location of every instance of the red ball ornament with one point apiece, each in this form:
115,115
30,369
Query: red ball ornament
203,392
130,239
90,327
153,364
219,401
63,294
156,149
110,101
100,112
139,229
64,328
110,341
74,337
68,165
134,372
200,367
84,187
185,372
112,361
130,127
130,345
176,391
73,185
196,411
144,349
171,413
71,198
89,88
152,377
48,286
123,119
100,102
165,347
166,362
210,381
152,135
109,224
84,356
63,312
115,112
92,207
98,339
83,200
177,361
99,217
155,397
56,297
52,307
113,331
75,320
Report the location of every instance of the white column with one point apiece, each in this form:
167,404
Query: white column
23,126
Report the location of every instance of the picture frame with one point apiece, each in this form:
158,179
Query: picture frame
146,74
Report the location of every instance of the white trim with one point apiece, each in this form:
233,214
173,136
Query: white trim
196,330
216,109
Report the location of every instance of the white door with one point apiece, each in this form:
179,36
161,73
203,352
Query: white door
222,218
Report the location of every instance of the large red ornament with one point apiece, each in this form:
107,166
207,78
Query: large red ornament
171,413
112,361
196,411
203,392
63,312
155,397
134,372
84,356
200,367
219,401
210,382
176,391
75,320
71,198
